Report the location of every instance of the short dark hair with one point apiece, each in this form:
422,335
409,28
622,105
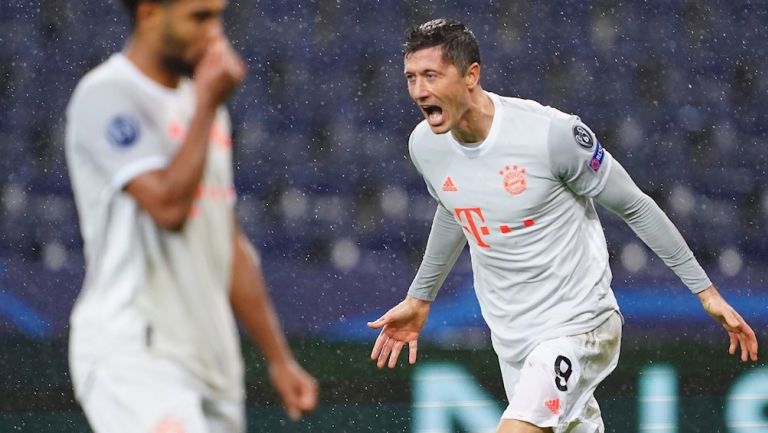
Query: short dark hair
132,5
458,43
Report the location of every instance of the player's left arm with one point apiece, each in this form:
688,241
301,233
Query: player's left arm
578,159
622,197
253,307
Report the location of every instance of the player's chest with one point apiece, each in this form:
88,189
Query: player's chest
503,184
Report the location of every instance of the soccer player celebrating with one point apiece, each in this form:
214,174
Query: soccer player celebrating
154,344
517,181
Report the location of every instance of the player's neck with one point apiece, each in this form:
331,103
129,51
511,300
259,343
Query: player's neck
475,124
148,62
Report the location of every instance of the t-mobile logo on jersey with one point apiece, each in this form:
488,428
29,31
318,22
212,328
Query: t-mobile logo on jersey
472,221
465,215
218,135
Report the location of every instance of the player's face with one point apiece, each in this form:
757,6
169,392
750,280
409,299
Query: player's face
437,87
188,27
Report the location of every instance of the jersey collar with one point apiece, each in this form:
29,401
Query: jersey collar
144,81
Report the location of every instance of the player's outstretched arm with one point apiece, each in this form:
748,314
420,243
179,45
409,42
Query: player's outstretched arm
399,326
740,333
252,306
651,224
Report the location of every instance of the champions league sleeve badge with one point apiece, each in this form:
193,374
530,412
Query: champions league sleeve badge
123,130
597,157
583,137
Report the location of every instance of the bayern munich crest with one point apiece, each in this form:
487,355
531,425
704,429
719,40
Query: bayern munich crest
514,179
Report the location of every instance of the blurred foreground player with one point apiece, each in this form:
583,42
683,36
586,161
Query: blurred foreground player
154,345
517,181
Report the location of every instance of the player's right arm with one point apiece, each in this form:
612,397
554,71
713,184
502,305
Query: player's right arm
402,324
167,194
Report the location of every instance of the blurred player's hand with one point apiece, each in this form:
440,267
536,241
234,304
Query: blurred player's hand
740,333
297,389
400,325
218,73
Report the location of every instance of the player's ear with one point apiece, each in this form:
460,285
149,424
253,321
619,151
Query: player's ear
147,13
472,77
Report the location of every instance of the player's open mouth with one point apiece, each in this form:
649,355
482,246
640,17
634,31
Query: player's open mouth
434,114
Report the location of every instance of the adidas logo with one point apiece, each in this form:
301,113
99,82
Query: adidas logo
553,405
448,185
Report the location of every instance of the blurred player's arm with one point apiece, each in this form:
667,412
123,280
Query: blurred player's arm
622,197
253,307
167,194
402,324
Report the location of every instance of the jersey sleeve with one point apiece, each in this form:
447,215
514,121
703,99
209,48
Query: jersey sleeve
576,156
622,197
415,162
444,245
108,128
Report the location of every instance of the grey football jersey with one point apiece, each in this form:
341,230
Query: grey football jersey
168,290
523,202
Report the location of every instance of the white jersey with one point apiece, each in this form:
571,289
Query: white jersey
145,285
523,200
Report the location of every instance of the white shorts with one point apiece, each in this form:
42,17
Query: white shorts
554,386
142,393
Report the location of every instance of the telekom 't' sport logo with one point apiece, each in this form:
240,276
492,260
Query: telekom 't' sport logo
472,221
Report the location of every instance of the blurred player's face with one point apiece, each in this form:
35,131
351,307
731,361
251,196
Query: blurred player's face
437,87
188,26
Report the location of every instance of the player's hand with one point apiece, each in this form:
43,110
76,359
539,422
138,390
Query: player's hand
218,73
297,389
741,335
399,326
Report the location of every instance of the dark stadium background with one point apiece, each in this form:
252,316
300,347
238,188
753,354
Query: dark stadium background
676,90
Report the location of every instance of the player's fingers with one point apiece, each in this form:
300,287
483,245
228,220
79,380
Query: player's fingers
216,50
288,397
385,351
739,343
378,323
396,348
378,345
753,349
743,346
239,69
308,398
293,413
412,349
733,343
306,394
748,340
752,342
235,64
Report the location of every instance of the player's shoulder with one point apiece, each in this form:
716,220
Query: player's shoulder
521,106
561,125
421,136
105,80
420,131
